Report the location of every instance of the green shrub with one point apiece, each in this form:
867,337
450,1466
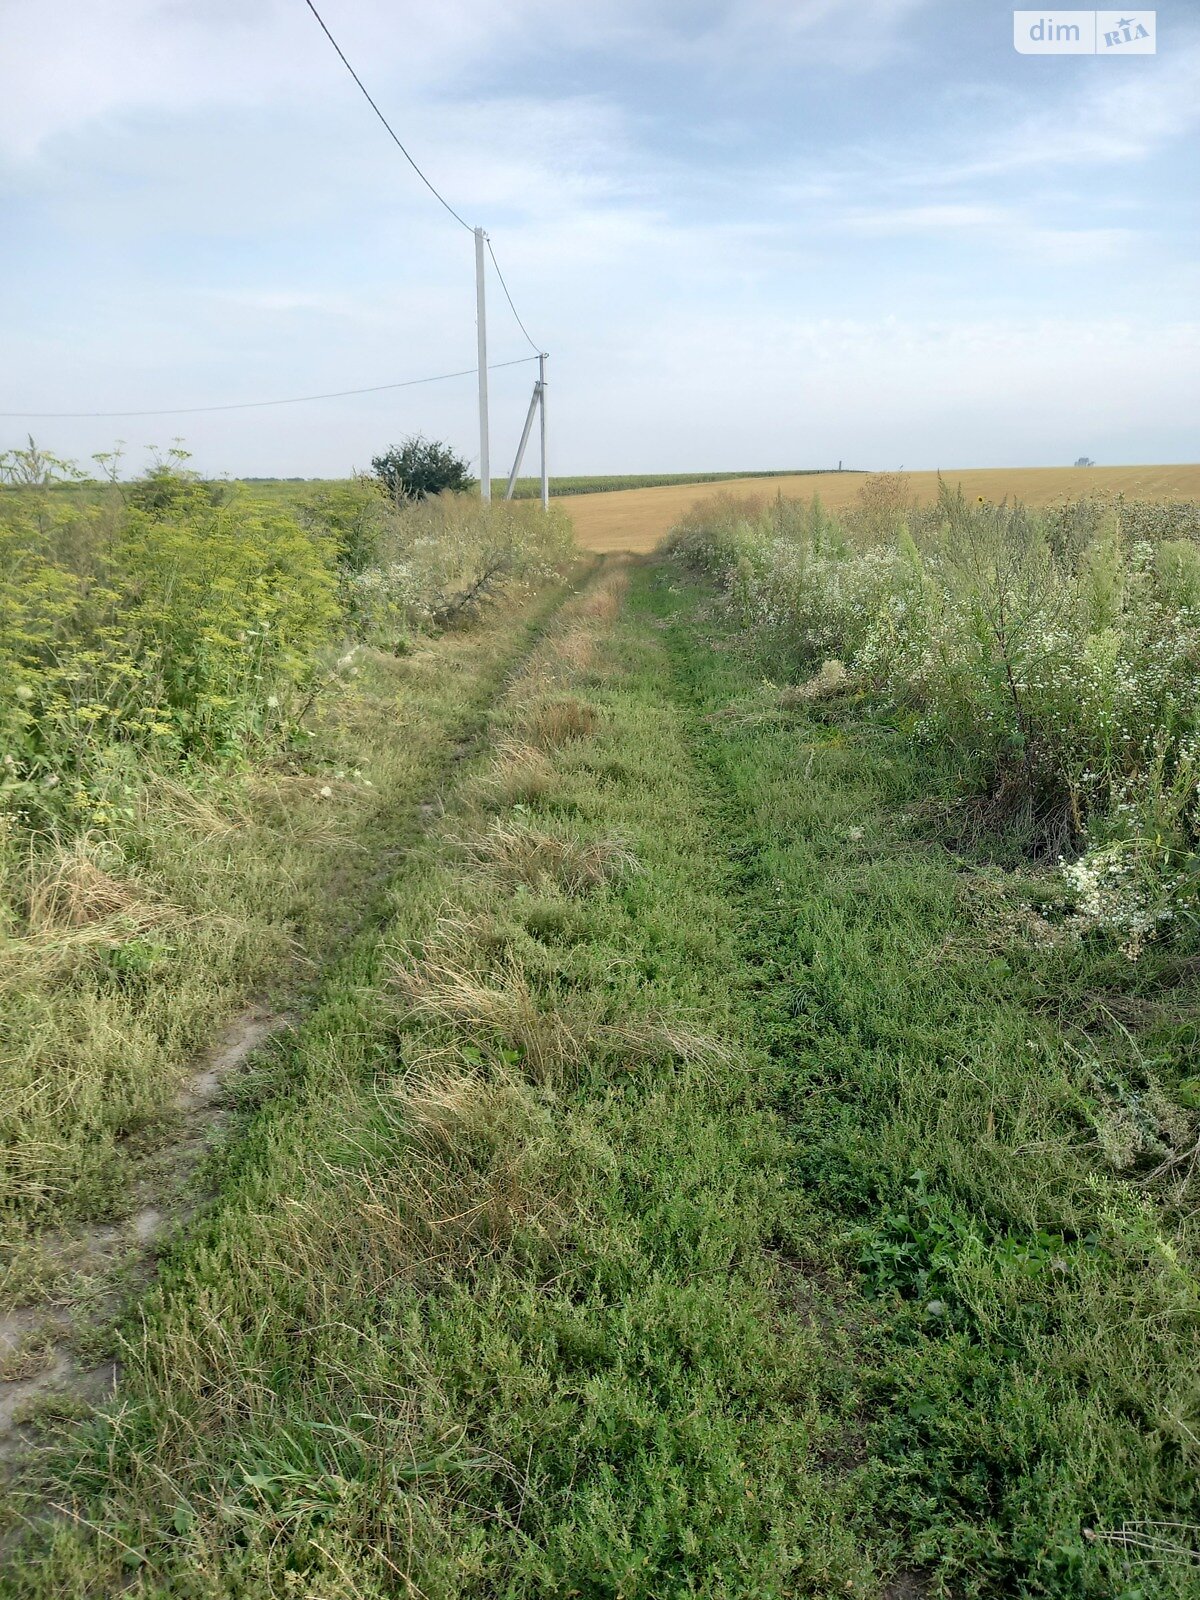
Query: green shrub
175,620
444,557
419,468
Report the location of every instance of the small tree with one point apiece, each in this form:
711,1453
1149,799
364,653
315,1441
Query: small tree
419,468
1085,461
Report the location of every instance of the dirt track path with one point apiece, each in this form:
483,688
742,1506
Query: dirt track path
652,1210
47,1343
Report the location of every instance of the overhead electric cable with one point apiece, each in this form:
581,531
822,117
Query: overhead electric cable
291,400
436,194
395,137
533,345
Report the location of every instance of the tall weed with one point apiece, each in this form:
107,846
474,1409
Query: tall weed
441,559
170,628
1056,656
172,620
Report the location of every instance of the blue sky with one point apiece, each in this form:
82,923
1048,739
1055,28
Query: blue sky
750,233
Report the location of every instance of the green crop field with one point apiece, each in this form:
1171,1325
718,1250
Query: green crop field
526,488
291,491
588,483
540,1073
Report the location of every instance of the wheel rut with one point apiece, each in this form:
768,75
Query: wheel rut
96,1267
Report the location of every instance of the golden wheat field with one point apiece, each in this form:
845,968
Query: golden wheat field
636,519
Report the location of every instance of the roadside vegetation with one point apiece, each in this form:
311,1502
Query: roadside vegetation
741,1162
1053,659
209,710
963,741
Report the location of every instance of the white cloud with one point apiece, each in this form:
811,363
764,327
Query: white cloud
70,64
214,215
1115,119
848,33
1011,230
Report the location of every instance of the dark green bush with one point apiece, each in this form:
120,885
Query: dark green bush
419,468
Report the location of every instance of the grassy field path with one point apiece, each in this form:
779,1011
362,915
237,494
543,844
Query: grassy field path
683,1193
82,1231
1016,1320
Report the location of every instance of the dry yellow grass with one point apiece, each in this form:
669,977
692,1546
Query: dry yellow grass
520,775
551,723
636,519
74,904
499,1005
517,853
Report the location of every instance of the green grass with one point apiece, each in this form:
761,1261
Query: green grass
576,1245
1022,1385
219,885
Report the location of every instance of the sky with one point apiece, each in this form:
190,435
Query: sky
751,234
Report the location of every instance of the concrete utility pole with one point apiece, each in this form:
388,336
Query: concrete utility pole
534,402
485,462
542,423
537,402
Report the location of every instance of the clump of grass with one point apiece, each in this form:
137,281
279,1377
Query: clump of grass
30,1354
601,604
515,852
831,680
483,1151
76,905
73,888
205,813
500,1008
521,774
664,1038
490,998
572,652
475,1169
550,723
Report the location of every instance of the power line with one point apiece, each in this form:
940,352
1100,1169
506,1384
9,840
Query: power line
394,136
252,405
336,394
536,347
438,196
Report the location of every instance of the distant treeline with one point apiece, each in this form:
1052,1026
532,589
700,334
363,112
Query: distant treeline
598,483
527,487
530,488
